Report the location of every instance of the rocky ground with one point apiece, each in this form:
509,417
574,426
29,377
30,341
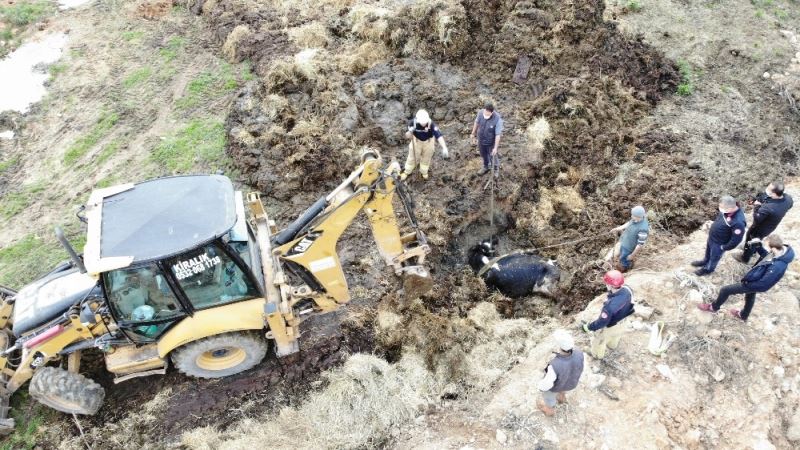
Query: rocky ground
669,104
721,384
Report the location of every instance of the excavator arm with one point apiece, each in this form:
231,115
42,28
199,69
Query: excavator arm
307,248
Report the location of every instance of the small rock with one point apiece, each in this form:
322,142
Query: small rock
500,436
645,312
692,437
766,75
778,371
695,296
550,435
718,374
714,333
596,380
665,371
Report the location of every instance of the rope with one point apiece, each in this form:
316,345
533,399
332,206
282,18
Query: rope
80,428
575,241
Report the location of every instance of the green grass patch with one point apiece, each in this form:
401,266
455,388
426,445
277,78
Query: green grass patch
171,49
25,13
209,86
634,6
29,416
202,141
7,164
133,35
110,180
57,69
137,77
108,151
686,87
29,258
98,131
13,203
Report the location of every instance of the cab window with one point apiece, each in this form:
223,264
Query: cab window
142,300
209,277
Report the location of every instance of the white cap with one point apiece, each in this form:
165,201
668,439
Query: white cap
563,339
422,117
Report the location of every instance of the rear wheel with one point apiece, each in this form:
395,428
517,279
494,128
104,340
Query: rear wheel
66,391
221,355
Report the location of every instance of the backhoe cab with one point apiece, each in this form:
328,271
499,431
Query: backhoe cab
176,268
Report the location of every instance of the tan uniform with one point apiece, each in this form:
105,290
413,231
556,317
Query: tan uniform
607,338
419,152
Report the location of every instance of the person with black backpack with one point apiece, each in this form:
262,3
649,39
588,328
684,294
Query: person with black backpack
766,273
608,328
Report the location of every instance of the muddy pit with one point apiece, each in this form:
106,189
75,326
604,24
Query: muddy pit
347,75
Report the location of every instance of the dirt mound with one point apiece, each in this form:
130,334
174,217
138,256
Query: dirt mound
297,131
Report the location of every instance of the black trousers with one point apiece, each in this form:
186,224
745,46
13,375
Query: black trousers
750,250
733,289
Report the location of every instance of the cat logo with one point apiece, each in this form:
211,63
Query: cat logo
304,244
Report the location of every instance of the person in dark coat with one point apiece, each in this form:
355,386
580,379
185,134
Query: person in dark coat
766,273
562,373
726,232
768,210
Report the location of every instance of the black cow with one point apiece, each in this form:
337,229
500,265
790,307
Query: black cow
516,274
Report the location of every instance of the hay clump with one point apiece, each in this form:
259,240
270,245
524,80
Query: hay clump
484,315
362,58
438,28
302,72
312,35
233,49
537,134
362,402
370,22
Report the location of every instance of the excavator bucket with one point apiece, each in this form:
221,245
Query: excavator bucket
416,281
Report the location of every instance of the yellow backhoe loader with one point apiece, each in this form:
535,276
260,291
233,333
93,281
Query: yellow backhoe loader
189,270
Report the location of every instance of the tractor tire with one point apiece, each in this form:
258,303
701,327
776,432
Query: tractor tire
221,355
66,391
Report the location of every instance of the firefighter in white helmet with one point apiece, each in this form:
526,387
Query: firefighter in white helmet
422,132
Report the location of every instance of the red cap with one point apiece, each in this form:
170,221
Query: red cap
614,278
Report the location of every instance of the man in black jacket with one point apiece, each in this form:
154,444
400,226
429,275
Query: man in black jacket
768,211
775,259
725,234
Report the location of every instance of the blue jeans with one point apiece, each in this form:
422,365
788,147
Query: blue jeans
486,154
624,253
714,253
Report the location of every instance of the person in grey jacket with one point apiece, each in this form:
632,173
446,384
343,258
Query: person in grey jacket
486,134
633,235
562,373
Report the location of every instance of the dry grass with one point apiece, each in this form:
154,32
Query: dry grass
367,398
362,58
312,35
351,412
370,22
231,49
132,431
537,134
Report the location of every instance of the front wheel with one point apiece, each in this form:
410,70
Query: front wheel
221,355
66,391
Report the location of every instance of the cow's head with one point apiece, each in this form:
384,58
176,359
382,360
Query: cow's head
548,283
480,254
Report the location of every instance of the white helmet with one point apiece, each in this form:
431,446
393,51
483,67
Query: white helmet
422,117
563,339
